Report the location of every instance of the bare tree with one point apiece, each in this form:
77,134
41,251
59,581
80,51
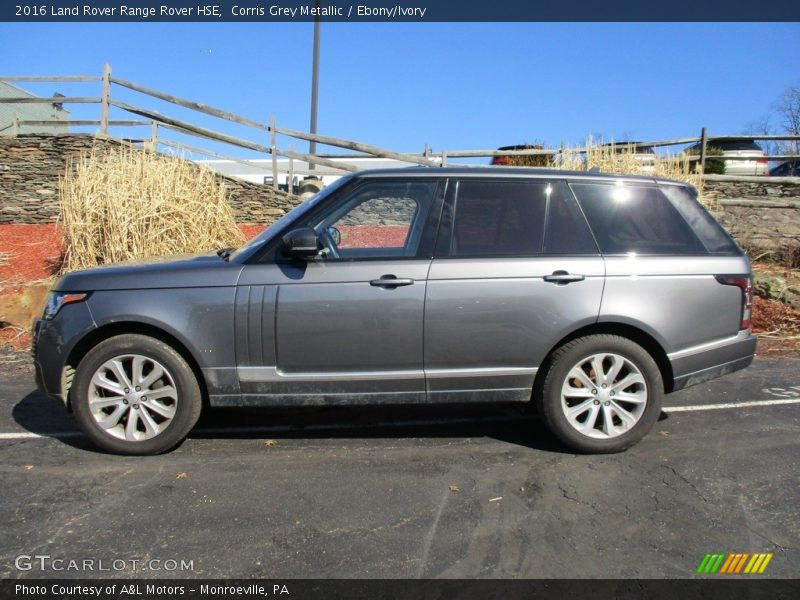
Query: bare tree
784,119
764,126
787,110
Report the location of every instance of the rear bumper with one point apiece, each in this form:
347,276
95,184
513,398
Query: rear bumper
714,359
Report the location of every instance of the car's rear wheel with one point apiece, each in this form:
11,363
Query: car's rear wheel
601,393
133,394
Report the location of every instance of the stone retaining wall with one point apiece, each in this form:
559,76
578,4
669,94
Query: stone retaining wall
762,213
729,186
31,165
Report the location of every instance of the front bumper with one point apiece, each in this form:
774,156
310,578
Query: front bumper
52,344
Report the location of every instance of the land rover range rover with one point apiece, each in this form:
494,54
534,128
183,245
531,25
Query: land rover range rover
589,295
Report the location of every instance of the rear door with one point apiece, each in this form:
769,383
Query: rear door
516,269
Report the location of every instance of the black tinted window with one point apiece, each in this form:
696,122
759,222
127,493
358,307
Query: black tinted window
727,146
711,233
635,219
566,231
734,146
499,218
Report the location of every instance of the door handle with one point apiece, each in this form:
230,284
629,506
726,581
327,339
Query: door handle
390,282
562,277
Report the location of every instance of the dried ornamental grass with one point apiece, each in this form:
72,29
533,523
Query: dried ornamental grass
128,204
622,159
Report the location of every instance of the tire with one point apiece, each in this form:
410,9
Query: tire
131,422
600,415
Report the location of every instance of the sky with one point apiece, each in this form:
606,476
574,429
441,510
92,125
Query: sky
449,85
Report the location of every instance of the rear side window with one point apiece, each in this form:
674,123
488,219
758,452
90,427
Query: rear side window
566,231
713,237
635,219
519,219
726,146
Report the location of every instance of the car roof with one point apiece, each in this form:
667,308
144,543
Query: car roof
486,171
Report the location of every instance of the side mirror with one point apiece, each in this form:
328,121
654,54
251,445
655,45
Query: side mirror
302,243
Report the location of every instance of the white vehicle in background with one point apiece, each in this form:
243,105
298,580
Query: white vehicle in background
296,176
741,156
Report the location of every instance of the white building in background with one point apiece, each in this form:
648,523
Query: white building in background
53,112
260,170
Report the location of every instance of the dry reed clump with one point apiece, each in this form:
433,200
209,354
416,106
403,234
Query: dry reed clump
624,159
128,204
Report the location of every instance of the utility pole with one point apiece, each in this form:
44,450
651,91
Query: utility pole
312,145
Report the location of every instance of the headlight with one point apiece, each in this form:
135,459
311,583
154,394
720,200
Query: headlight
59,299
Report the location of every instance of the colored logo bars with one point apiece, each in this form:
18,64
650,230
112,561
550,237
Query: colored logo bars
735,563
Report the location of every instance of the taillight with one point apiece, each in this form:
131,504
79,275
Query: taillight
746,285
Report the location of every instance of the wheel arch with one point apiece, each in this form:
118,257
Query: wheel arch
631,332
104,332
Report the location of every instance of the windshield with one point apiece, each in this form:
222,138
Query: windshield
257,242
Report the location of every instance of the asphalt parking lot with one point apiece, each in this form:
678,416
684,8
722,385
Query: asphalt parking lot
407,493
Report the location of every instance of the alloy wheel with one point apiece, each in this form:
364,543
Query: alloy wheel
604,395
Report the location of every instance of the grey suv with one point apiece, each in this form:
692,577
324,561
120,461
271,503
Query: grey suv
589,295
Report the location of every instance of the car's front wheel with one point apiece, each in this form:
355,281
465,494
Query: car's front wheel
134,394
601,393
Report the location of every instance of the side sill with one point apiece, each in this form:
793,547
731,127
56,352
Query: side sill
345,399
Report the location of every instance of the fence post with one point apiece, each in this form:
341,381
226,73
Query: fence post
703,143
290,177
444,158
154,135
273,147
15,125
104,99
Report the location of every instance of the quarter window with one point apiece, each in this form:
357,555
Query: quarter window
715,239
629,219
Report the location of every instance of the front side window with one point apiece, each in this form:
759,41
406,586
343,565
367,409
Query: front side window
631,219
378,220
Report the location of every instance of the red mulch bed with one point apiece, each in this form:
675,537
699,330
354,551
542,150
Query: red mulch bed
775,318
250,230
32,252
29,252
16,339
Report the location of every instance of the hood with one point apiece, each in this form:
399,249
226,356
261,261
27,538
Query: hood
207,270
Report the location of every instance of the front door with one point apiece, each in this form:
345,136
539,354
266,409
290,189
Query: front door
346,326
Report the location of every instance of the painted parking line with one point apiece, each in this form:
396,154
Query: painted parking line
25,435
748,404
29,436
